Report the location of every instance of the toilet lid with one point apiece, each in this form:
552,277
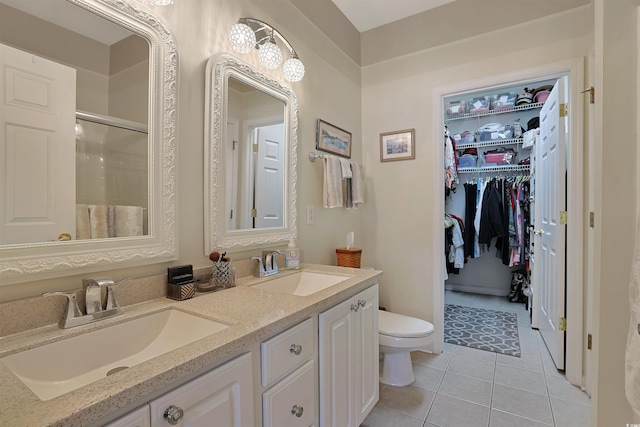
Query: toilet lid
398,325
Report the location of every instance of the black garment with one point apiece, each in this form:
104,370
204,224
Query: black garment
469,234
491,221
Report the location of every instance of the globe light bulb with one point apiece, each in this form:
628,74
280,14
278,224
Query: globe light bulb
293,69
270,55
242,38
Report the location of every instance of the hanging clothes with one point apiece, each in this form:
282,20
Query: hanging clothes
450,163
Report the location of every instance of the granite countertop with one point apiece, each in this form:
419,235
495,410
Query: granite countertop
252,315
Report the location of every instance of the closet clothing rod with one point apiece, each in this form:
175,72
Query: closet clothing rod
112,121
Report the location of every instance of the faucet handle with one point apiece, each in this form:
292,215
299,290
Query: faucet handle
112,302
72,310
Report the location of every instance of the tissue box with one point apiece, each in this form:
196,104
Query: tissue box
349,257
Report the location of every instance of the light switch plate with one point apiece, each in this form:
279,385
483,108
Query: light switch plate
311,215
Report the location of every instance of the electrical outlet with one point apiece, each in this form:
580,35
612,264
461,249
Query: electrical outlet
311,215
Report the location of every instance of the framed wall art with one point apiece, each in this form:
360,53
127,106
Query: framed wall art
332,139
399,145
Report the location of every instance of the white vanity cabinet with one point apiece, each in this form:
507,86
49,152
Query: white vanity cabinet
222,397
137,418
349,360
289,378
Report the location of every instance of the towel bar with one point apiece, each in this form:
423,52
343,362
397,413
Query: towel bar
313,156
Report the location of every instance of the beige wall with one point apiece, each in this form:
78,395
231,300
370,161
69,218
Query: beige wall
330,90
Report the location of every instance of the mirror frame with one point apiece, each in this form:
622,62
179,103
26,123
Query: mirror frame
219,68
35,261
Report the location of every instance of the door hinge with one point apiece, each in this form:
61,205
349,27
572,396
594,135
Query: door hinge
564,110
234,143
231,214
254,213
563,217
562,324
589,341
592,219
255,148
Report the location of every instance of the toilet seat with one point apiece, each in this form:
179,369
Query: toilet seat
400,326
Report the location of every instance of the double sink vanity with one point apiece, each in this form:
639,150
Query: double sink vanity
269,352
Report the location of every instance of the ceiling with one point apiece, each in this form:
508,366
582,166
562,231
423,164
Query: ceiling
368,14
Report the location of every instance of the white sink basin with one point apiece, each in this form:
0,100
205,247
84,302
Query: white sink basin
302,284
58,368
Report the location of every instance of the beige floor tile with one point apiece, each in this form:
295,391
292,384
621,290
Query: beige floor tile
521,378
412,401
383,417
472,367
466,388
427,377
503,419
529,361
567,414
523,403
561,388
438,361
448,411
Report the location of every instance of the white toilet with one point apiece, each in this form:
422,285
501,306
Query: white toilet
398,335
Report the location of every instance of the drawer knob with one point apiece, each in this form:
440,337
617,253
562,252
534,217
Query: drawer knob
362,302
297,410
355,307
173,414
296,349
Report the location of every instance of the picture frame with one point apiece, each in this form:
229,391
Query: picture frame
332,139
398,145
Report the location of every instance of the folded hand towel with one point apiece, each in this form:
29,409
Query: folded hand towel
357,195
332,188
345,165
632,361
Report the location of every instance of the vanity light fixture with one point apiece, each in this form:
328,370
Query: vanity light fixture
250,33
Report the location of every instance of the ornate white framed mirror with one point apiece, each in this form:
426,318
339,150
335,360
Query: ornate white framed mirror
88,181
251,124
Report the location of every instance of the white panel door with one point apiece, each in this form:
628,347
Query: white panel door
37,148
269,185
550,287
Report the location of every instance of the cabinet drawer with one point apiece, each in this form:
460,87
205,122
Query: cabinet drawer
292,402
286,351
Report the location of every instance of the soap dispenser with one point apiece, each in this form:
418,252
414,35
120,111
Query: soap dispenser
292,256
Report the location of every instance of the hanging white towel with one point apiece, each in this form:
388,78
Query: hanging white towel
332,186
357,196
83,225
99,220
345,166
632,358
125,221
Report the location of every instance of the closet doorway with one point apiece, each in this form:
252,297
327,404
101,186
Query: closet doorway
572,70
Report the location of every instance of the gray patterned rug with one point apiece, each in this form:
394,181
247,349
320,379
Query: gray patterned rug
489,330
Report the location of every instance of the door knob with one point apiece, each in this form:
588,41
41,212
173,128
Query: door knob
297,410
539,232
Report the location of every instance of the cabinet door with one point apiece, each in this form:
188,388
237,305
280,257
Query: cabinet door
292,402
336,350
136,418
366,353
222,397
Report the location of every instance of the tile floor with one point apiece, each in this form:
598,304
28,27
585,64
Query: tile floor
465,387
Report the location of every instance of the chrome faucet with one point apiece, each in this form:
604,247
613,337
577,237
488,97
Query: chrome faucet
95,309
267,263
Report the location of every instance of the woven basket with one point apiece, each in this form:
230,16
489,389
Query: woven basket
349,257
